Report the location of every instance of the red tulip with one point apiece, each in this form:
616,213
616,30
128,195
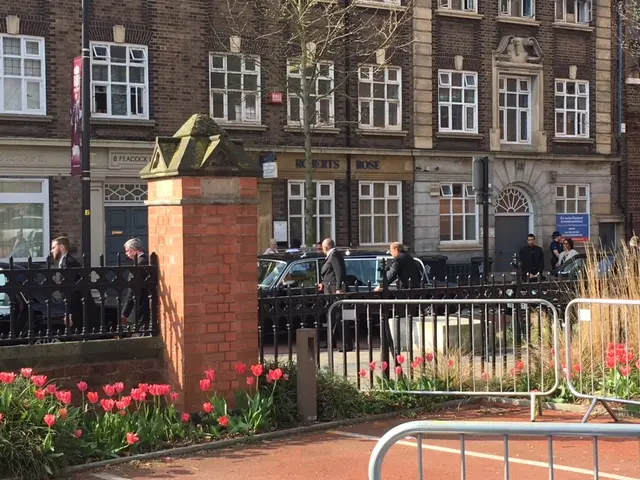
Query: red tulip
1,417
174,396
50,420
207,407
64,396
40,394
93,397
205,384
39,380
109,390
257,370
251,381
82,386
63,413
210,375
400,359
26,372
107,404
223,421
186,418
372,366
7,377
119,387
132,438
398,370
241,368
78,433
363,373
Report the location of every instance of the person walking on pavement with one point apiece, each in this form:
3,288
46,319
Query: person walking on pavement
334,275
531,260
134,249
60,253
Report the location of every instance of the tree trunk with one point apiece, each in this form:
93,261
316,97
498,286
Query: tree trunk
309,187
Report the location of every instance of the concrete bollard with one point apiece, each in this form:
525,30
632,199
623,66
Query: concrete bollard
306,346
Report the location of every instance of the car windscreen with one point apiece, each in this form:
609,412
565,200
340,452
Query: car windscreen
269,271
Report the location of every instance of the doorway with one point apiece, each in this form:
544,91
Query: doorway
123,223
513,222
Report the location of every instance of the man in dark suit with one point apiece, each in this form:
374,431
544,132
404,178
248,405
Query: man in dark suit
60,252
403,268
334,276
137,300
531,260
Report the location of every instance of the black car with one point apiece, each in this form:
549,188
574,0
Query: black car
284,273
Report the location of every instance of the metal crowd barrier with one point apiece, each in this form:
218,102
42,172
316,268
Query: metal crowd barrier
424,430
602,358
486,347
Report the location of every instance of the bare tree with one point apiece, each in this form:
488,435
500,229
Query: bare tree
310,45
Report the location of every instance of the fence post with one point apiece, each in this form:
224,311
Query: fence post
306,375
203,225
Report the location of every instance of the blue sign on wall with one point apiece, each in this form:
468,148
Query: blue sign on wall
573,225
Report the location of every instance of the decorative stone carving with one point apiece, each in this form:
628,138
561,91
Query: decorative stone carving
514,49
200,148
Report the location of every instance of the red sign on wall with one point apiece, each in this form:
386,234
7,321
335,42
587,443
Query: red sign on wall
76,118
275,97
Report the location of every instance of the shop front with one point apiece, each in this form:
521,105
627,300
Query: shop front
360,200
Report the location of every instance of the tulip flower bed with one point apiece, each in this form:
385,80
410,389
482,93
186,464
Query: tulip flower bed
44,428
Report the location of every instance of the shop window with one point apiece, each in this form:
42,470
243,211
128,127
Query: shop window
324,211
458,213
380,207
24,218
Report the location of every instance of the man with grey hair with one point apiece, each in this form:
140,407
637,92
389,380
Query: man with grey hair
138,301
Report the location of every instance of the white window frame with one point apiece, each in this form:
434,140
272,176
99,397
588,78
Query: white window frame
581,128
302,197
562,197
372,216
504,8
466,5
105,60
368,72
225,91
35,198
468,194
502,110
294,97
583,11
42,80
443,83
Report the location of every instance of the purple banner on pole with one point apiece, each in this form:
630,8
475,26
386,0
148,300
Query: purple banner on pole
76,118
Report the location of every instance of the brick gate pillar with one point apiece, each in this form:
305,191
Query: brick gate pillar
203,225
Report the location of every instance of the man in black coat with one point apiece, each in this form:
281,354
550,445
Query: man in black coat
531,260
137,300
403,268
334,276
60,252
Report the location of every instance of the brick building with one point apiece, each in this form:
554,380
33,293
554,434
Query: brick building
153,65
531,84
402,173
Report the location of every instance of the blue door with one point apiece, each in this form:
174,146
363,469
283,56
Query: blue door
123,223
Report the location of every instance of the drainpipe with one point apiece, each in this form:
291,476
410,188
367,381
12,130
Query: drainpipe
623,201
347,110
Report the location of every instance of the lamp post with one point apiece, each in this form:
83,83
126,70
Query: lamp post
86,134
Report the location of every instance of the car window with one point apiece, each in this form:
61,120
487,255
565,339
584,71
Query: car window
269,271
301,274
4,298
362,271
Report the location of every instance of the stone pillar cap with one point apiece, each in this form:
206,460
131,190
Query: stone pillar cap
200,148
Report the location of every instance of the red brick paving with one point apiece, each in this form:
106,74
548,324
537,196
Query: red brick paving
333,456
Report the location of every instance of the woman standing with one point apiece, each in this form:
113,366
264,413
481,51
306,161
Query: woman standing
568,252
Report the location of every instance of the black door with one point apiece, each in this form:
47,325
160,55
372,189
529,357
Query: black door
511,236
123,223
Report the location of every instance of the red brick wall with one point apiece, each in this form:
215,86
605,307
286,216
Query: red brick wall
98,362
207,268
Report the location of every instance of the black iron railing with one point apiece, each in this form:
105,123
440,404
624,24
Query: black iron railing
282,312
40,304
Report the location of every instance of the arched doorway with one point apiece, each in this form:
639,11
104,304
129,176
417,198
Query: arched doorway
513,222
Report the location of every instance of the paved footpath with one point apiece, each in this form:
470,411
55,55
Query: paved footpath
344,455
